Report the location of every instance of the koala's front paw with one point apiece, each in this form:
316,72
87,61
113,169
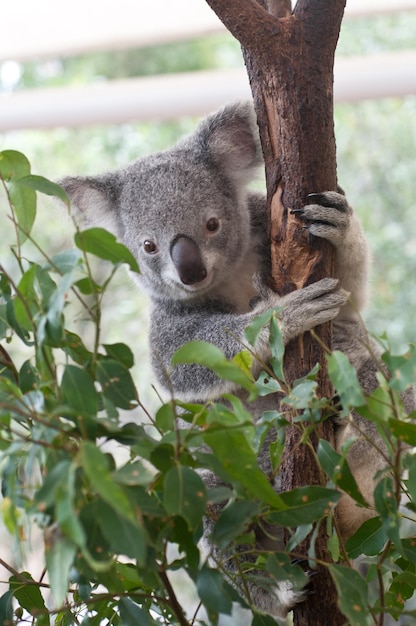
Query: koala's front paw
327,215
313,305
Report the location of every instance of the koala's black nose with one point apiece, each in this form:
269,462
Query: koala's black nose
187,259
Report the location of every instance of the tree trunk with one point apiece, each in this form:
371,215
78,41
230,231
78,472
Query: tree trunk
289,58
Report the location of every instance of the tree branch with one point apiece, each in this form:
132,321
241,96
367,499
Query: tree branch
248,21
290,65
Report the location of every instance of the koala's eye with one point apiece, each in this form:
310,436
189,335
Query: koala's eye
213,224
149,246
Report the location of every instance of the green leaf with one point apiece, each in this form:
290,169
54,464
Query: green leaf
266,384
409,549
123,537
51,327
133,473
281,567
116,383
13,166
252,332
405,431
344,378
302,394
96,467
66,516
59,555
6,608
28,377
45,186
208,355
369,539
121,353
234,521
78,391
74,347
305,505
411,480
27,593
352,594
103,244
27,304
402,368
238,459
379,406
277,346
212,591
65,262
184,494
131,614
4,325
337,468
88,286
386,504
55,480
165,417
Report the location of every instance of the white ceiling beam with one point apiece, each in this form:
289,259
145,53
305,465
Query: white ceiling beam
171,96
48,28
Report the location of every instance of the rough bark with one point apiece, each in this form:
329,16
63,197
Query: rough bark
289,58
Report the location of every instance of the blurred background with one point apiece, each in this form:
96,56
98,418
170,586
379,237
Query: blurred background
91,85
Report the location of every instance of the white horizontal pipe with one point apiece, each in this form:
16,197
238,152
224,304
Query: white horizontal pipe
171,96
47,28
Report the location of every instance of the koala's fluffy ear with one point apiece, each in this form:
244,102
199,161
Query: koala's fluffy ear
231,139
93,199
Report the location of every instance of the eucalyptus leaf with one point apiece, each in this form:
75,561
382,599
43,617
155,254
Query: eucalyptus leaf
78,391
123,537
14,166
208,355
96,467
184,494
234,521
6,607
305,505
27,592
369,539
345,380
337,468
104,245
59,555
117,383
405,431
402,368
352,594
385,501
213,593
281,567
45,186
132,615
252,332
239,461
120,352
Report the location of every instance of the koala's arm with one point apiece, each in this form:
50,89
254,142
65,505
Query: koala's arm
172,326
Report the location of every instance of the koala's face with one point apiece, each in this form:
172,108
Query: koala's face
183,212
187,227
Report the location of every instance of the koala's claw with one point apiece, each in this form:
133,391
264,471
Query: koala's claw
330,199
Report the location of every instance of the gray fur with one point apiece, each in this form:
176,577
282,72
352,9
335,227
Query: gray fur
170,203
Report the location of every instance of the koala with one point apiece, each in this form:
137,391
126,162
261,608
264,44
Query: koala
200,237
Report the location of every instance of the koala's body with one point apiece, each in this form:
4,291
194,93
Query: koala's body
200,238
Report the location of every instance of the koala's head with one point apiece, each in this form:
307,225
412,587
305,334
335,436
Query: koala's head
182,212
